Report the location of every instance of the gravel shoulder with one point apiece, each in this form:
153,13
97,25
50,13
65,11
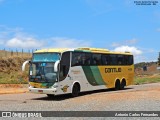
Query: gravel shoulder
134,98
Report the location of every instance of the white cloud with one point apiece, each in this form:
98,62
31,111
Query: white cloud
24,42
16,38
131,49
61,42
125,42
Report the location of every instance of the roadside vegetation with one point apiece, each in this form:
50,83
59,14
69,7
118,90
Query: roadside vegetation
10,69
146,79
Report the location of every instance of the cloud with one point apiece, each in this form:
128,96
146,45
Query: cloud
17,38
131,49
125,42
24,42
158,30
62,42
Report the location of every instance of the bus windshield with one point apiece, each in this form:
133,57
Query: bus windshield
42,67
42,72
45,57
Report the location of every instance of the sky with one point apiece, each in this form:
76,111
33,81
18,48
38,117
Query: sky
117,25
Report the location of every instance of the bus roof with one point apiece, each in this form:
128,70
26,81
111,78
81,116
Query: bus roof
82,49
59,50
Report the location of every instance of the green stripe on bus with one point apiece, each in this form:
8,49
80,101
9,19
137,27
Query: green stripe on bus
82,51
89,75
97,75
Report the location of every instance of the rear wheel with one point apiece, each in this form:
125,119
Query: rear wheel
75,90
123,84
117,85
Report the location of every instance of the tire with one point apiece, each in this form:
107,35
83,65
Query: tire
50,95
117,85
123,84
75,90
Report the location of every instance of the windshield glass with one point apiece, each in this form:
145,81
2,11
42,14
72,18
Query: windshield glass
42,72
45,57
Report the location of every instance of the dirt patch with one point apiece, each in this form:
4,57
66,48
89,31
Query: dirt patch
13,88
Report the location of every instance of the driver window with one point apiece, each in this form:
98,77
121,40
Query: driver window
64,65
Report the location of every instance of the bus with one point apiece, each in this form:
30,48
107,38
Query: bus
64,71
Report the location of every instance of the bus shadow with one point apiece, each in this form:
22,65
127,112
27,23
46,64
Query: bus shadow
103,90
68,96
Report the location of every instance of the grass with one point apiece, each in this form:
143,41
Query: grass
10,70
145,80
14,78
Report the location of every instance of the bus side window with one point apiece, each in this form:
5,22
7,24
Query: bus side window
88,59
76,58
113,59
96,59
130,59
120,60
105,59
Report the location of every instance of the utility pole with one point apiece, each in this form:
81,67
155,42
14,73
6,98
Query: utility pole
159,59
158,63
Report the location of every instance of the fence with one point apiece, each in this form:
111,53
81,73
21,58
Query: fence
19,53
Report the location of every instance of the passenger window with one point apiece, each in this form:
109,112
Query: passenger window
120,60
96,59
113,59
128,59
88,59
105,59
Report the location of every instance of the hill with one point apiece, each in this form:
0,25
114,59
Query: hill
10,68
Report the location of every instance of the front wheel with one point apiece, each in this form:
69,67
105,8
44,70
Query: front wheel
75,90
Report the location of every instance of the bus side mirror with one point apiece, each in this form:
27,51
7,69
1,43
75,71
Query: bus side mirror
24,65
56,66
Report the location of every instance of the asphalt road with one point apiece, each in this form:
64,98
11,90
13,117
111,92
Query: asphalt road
134,98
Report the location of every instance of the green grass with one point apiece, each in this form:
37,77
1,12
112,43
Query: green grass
145,80
14,78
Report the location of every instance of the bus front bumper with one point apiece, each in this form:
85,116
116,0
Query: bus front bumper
43,91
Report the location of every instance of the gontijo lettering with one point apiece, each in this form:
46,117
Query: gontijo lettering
111,70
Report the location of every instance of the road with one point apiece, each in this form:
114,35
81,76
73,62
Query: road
133,98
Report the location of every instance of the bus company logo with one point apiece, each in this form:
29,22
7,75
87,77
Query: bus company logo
145,2
6,114
112,70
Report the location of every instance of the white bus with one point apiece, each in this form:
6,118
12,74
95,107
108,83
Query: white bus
63,71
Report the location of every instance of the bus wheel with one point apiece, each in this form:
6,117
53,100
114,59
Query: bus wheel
50,95
75,90
117,85
123,84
